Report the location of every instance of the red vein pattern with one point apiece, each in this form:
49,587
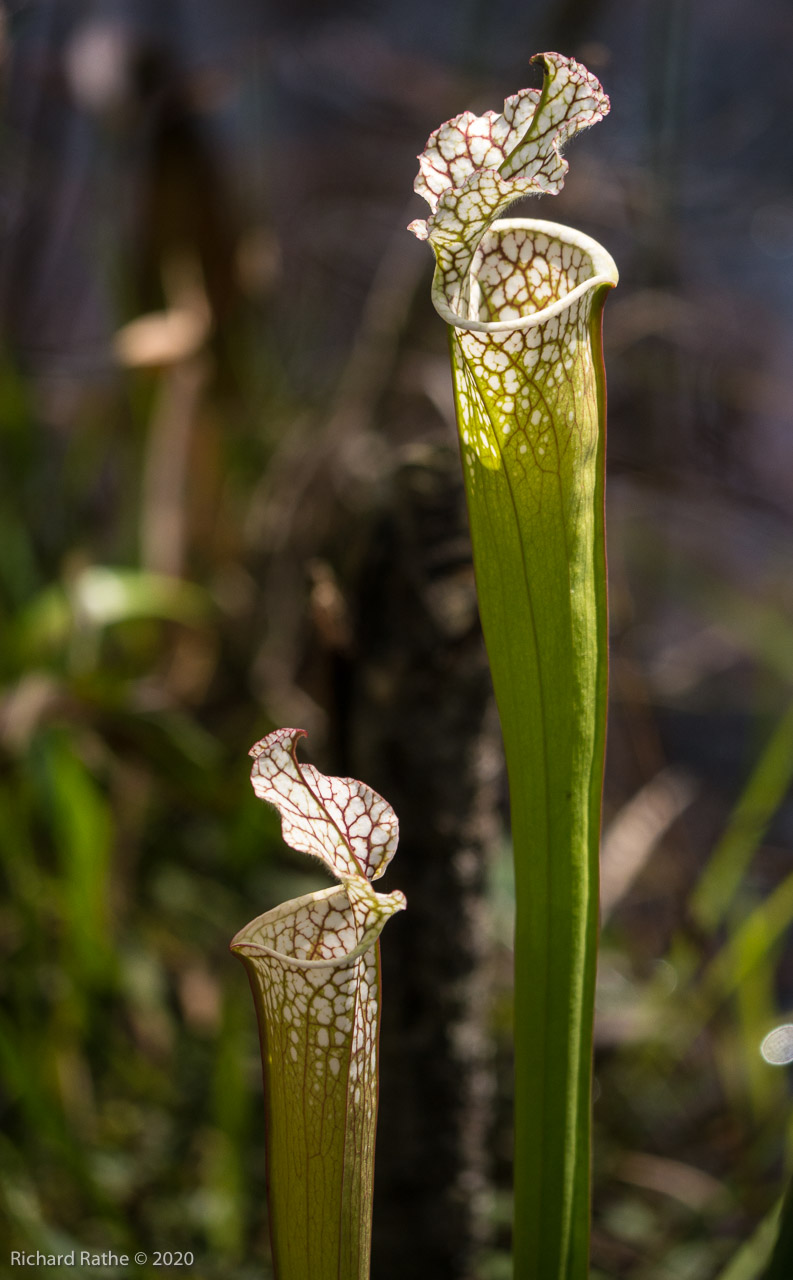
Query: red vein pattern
526,395
315,972
474,167
340,820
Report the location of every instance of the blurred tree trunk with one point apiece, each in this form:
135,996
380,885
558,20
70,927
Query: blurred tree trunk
421,728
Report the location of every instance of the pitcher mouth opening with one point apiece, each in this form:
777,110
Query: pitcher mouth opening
324,922
273,934
524,272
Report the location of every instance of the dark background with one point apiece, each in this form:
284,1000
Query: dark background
230,500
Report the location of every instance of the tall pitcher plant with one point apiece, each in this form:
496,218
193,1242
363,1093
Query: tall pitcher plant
523,300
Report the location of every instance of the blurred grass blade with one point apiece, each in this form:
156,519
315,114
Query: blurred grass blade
635,832
232,1121
83,827
753,1255
780,1266
756,1004
759,801
748,946
314,968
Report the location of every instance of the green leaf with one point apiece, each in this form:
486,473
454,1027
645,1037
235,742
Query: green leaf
314,968
524,302
759,801
780,1265
747,1262
83,826
99,597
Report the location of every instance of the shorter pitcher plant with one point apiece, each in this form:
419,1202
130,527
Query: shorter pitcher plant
314,968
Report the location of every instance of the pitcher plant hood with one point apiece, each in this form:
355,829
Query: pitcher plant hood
474,167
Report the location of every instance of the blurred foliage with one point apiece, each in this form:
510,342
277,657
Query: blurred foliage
179,504
131,848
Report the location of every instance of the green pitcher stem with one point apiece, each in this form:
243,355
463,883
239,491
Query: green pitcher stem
531,410
318,1028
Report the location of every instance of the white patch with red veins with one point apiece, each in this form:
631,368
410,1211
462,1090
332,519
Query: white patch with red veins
350,828
474,167
340,820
